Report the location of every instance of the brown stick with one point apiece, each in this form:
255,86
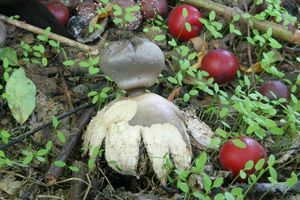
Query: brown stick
54,171
64,84
278,31
53,36
78,187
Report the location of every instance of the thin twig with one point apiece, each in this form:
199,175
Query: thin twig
249,46
88,189
33,131
65,87
61,39
55,171
278,31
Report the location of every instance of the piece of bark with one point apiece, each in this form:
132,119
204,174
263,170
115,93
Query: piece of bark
54,171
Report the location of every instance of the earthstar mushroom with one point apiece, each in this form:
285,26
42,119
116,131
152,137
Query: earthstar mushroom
141,120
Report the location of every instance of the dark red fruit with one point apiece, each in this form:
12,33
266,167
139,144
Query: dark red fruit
86,9
178,23
151,8
124,5
234,158
279,89
60,11
220,64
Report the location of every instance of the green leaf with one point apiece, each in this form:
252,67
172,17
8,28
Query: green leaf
2,154
207,183
212,16
10,54
41,152
74,169
238,143
193,92
93,70
198,195
236,18
243,175
250,41
84,64
188,26
215,143
249,165
258,2
59,163
229,196
184,12
41,159
223,112
61,136
172,80
91,163
274,43
20,95
55,122
260,163
69,62
237,191
44,61
186,97
200,163
172,43
218,182
159,38
49,145
276,131
53,43
293,180
219,196
28,159
273,173
183,186
271,160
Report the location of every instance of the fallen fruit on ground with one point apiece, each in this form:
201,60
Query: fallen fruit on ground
274,90
234,157
126,14
151,8
60,11
184,22
221,65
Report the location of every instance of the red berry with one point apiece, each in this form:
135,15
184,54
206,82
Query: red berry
178,23
220,64
151,8
279,89
234,158
60,11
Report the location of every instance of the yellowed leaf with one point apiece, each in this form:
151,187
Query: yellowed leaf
256,68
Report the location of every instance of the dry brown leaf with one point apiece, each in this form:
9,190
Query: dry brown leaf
10,185
200,56
199,43
175,93
101,15
256,68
